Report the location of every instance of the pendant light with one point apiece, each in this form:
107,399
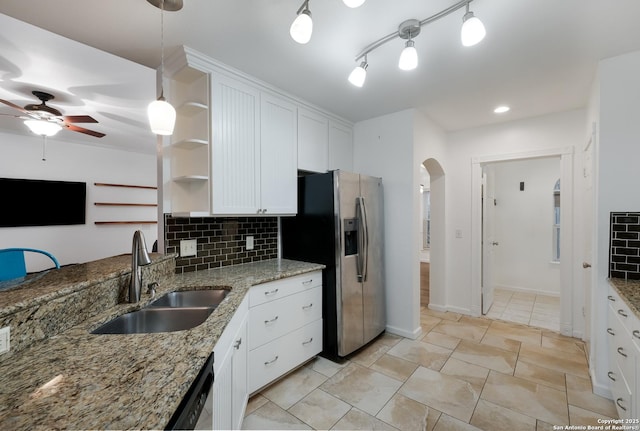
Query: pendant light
472,31
302,26
359,74
354,3
162,116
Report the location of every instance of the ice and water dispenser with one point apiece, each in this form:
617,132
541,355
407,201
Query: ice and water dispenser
350,236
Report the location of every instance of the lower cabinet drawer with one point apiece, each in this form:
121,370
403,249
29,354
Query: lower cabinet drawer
272,360
622,397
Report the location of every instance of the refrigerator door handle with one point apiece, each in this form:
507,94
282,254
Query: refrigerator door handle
363,239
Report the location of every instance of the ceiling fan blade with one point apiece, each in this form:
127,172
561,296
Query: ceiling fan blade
79,119
10,115
83,130
14,106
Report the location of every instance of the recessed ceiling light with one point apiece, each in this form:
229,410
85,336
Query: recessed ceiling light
501,109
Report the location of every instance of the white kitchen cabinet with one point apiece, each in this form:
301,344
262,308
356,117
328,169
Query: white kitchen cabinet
254,151
313,141
340,146
230,391
285,327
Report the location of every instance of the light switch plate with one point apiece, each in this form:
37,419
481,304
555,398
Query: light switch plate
188,247
5,346
249,244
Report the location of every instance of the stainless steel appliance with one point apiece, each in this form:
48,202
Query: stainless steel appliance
340,224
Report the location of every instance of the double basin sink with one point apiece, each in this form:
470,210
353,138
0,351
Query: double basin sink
174,311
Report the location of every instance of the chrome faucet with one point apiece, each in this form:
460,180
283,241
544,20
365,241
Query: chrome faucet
139,257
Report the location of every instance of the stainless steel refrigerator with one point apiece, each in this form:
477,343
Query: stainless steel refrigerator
340,224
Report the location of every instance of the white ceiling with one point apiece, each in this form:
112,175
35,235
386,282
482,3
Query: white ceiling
539,56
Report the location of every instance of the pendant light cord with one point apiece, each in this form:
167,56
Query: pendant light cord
161,50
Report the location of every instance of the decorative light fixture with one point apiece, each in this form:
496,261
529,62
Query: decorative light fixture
353,3
302,26
43,127
409,56
359,74
501,109
472,32
162,116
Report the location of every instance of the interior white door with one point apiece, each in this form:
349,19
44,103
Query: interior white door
488,237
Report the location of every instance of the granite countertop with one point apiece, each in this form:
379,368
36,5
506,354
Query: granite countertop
629,291
76,380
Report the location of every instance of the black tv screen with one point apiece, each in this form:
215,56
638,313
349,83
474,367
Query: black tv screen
41,202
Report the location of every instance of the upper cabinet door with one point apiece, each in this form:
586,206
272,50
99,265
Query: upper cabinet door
236,147
340,147
278,155
313,141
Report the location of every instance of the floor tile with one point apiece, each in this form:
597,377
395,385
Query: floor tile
549,358
447,423
359,420
392,366
578,416
565,344
405,414
320,409
361,387
461,330
374,350
477,321
473,374
442,340
425,354
512,331
296,386
428,322
447,394
501,343
255,402
544,426
537,374
489,416
486,356
325,367
272,417
580,394
444,315
528,398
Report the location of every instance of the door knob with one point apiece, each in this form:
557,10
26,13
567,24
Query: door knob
495,243
586,265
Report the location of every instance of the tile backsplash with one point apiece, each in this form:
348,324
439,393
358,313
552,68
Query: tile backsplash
221,240
624,259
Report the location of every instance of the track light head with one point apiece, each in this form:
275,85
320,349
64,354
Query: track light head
359,74
472,31
353,3
302,26
408,57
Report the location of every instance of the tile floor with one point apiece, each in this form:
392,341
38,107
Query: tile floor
464,373
542,311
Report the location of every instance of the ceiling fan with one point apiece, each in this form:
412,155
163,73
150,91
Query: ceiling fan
44,113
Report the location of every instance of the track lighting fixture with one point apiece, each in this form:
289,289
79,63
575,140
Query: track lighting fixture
353,3
302,26
162,116
472,32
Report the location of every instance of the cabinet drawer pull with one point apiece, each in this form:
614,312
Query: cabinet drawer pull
266,322
271,292
611,298
622,313
306,307
621,351
271,361
610,331
610,375
307,282
636,333
237,344
308,341
620,405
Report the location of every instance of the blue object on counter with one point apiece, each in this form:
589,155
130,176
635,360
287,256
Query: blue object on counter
12,263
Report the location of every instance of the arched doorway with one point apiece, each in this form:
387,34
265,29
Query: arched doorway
435,230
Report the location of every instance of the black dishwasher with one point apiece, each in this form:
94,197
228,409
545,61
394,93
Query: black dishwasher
188,412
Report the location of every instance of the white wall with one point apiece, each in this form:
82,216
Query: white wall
523,225
20,157
617,176
383,147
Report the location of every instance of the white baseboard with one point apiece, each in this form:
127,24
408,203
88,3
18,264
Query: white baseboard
404,333
437,307
451,308
527,290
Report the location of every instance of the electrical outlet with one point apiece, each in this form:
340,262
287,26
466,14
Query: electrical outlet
5,346
188,247
249,244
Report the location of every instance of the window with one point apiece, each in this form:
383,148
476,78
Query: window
556,222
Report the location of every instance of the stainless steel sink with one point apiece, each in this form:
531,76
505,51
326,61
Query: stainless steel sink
191,298
151,320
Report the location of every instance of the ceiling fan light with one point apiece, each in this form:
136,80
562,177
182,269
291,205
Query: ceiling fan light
354,3
43,127
359,74
302,27
472,31
408,57
162,117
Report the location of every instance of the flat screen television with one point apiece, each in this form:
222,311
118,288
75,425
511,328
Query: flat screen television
41,202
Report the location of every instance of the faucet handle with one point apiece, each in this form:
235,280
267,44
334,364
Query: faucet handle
151,289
